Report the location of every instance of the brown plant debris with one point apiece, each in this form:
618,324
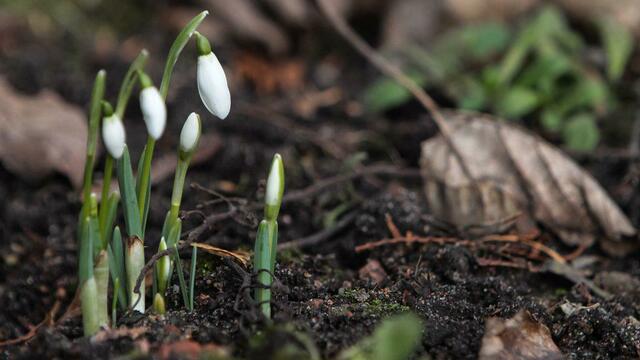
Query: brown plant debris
518,173
520,337
41,134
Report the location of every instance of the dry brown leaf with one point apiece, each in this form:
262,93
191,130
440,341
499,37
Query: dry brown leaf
518,172
241,257
520,337
41,134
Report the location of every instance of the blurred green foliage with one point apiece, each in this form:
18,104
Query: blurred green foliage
539,70
396,338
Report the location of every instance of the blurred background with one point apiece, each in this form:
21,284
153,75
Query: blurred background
565,69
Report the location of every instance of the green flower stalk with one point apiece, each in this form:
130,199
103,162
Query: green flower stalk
94,126
189,139
264,258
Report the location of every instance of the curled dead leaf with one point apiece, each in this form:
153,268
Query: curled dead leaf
241,257
517,172
41,134
520,337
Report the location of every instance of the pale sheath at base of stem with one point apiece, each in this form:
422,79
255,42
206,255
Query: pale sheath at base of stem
134,264
101,275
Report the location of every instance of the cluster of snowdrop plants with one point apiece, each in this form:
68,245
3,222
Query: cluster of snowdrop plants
264,258
105,252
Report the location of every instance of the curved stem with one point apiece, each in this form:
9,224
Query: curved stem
129,81
181,41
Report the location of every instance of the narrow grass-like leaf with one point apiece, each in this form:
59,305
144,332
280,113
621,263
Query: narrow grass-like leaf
183,284
115,301
140,173
172,242
85,267
107,221
116,266
94,124
129,198
192,275
129,81
176,48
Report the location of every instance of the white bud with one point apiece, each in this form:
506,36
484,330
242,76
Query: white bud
154,111
212,86
275,182
164,265
113,136
190,133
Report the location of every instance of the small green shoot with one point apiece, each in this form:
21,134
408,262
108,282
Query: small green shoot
264,258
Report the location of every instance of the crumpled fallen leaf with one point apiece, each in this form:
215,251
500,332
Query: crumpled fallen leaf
520,337
241,257
518,172
41,134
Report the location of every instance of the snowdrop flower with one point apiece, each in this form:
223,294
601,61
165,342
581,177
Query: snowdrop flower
212,82
275,188
190,133
112,132
154,110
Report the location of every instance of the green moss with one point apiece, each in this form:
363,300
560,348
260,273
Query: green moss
362,300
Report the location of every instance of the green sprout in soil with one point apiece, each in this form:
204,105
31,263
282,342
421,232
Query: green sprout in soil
264,258
104,252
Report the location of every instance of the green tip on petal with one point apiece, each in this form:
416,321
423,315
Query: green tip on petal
145,80
107,109
202,44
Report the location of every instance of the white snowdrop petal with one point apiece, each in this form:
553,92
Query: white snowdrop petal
190,132
113,136
274,184
154,111
212,86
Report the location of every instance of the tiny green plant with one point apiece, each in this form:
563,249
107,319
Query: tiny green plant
104,252
264,258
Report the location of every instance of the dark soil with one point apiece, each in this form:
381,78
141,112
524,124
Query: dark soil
323,299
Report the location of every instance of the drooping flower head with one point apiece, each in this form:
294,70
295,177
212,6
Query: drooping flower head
190,133
154,110
212,82
113,134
